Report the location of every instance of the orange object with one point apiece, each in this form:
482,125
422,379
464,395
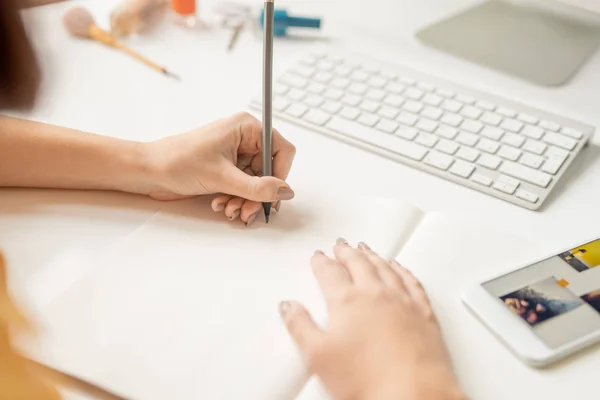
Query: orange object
184,7
562,282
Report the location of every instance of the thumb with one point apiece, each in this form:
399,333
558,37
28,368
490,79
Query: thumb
300,325
262,189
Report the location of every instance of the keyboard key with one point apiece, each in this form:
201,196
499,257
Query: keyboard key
426,125
407,133
296,94
296,110
332,107
446,131
413,93
388,112
377,82
280,104
294,80
446,146
309,60
333,94
452,119
509,153
316,117
426,139
504,187
553,164
370,68
511,125
413,106
367,119
427,87
533,132
351,100
340,83
471,126
368,105
465,99
534,147
393,100
349,113
280,88
323,77
438,160
507,112
492,133
531,160
325,65
574,133
387,74
432,113
395,88
342,71
316,88
359,76
488,146
383,140
529,119
375,94
549,125
467,139
486,105
555,151
313,100
387,126
407,118
526,174
451,106
471,112
433,100
407,80
489,161
445,93
481,179
527,196
462,169
304,70
559,140
513,140
357,88
509,181
491,118
468,154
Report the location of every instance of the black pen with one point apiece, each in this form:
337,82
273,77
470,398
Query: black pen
267,120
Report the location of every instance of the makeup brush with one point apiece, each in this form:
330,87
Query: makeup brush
80,23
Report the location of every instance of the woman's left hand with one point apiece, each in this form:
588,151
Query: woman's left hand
222,157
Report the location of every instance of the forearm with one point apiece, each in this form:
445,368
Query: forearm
33,154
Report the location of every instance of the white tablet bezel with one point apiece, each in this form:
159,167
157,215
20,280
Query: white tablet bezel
513,331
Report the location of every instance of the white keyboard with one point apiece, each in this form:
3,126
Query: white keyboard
499,147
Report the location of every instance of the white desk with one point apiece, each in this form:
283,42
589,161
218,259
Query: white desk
96,89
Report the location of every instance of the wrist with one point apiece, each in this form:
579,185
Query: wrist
136,171
424,387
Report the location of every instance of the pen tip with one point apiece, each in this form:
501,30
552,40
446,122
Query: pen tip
267,218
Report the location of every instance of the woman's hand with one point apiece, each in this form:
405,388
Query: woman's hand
382,340
222,157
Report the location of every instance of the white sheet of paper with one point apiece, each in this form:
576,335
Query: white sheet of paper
186,307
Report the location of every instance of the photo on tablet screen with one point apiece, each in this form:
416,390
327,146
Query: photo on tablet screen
541,301
593,299
584,257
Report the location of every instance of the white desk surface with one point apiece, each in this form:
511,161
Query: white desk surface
96,89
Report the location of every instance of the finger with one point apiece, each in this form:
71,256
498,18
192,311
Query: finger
283,155
250,211
300,325
361,269
260,189
384,268
233,208
333,278
218,203
413,286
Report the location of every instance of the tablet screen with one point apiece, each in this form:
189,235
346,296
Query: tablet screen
558,298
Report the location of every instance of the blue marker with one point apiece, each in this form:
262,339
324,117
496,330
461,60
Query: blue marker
283,21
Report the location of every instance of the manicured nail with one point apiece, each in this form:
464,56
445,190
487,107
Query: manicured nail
285,194
235,214
319,253
219,207
277,206
284,308
363,246
251,219
341,241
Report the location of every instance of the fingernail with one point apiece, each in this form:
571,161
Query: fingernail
251,219
277,206
319,252
363,246
285,194
341,241
235,214
284,308
219,206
